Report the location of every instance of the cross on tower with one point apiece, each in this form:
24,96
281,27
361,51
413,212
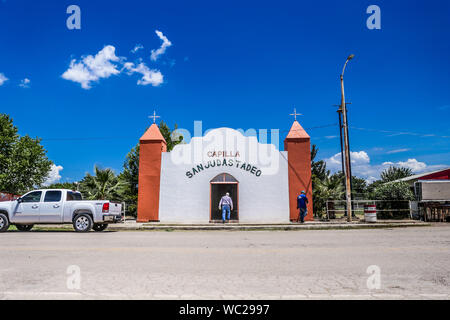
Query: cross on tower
154,116
295,114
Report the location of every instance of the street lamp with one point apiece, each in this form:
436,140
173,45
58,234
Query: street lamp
348,186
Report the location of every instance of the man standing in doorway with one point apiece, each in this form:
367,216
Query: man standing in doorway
302,201
226,205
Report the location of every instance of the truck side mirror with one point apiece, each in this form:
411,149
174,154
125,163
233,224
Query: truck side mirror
19,200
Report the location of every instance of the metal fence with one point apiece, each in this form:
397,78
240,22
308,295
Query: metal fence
386,209
8,196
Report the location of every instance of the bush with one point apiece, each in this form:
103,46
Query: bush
396,197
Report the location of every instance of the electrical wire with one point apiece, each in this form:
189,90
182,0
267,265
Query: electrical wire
390,132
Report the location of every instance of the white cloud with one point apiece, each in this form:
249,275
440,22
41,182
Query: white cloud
166,43
397,151
25,83
53,176
413,164
105,63
360,157
92,68
3,79
362,167
371,179
357,159
137,47
149,76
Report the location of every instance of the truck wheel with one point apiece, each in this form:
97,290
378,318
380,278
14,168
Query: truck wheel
82,223
4,222
24,227
100,227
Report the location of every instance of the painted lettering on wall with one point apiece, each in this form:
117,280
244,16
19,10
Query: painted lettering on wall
224,154
224,163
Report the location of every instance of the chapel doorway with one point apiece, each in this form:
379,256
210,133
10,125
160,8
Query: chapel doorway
220,185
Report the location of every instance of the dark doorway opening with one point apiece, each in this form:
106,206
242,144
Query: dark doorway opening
220,185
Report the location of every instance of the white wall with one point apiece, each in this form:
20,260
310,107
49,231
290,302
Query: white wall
262,199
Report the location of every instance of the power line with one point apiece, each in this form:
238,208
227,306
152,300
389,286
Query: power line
391,132
134,138
399,133
86,138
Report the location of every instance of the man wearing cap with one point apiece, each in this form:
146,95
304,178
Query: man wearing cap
226,205
302,201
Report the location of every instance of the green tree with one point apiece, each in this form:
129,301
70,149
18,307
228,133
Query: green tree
8,137
391,193
130,180
171,136
319,172
372,187
23,160
62,185
359,188
394,191
330,188
359,185
376,190
394,173
318,168
104,185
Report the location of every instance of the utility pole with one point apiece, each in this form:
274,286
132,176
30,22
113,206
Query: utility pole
339,111
348,177
350,160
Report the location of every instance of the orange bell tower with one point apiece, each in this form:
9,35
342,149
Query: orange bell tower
298,146
152,145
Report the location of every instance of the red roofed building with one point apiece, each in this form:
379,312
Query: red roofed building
442,174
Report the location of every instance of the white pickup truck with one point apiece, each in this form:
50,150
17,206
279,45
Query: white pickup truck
58,206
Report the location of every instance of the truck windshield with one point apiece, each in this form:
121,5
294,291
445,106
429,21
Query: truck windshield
72,196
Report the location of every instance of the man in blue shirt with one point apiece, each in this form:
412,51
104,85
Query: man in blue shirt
302,201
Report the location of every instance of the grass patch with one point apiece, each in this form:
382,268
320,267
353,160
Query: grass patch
38,228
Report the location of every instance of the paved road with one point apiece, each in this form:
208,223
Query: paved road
323,264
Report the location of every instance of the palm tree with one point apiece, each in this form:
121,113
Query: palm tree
395,173
104,185
330,188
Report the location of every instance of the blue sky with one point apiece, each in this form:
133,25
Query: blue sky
239,64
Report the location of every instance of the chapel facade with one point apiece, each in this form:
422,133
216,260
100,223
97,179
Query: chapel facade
186,184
